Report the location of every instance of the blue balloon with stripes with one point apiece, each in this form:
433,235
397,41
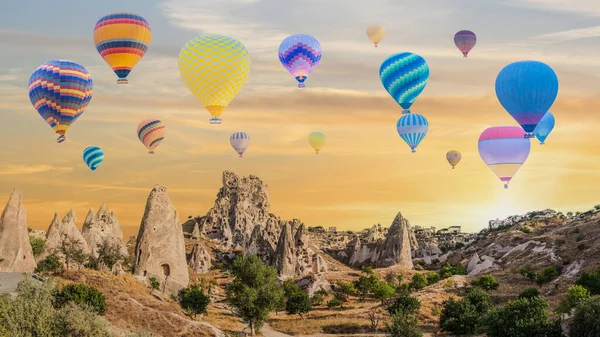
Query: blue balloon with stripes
404,76
412,128
93,156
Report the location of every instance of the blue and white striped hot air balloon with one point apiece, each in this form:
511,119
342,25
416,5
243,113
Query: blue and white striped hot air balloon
404,76
412,128
240,142
93,157
544,127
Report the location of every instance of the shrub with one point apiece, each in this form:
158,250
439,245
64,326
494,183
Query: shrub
82,295
479,299
383,291
418,282
154,284
486,282
391,277
560,242
334,303
322,292
342,297
526,230
346,288
459,317
317,299
365,284
547,274
193,300
585,322
432,277
298,302
73,320
109,254
591,281
529,293
37,245
521,318
583,246
459,245
579,237
575,295
403,326
528,272
49,266
448,270
404,304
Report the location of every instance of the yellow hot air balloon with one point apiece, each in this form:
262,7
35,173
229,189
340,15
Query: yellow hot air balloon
316,140
375,33
214,68
453,157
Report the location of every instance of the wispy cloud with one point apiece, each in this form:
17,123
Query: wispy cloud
569,35
582,7
25,169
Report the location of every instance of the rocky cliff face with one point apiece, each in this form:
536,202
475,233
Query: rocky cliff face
160,248
199,259
15,250
294,256
100,227
60,231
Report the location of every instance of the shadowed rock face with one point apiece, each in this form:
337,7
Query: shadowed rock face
60,230
102,226
199,260
294,256
160,248
15,249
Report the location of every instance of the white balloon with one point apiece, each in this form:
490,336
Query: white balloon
240,142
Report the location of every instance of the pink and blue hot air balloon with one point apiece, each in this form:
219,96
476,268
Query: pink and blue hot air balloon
527,90
544,127
300,54
504,149
465,41
412,128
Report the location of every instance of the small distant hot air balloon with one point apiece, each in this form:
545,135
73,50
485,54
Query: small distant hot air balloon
527,90
412,128
316,140
240,142
544,127
465,41
93,157
151,133
214,68
122,40
453,157
504,149
60,91
300,54
375,33
404,76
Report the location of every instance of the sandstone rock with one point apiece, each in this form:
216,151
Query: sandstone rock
15,249
103,226
314,283
199,259
63,230
196,232
473,262
160,248
294,256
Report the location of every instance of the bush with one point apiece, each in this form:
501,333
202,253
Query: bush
296,300
560,242
465,316
49,266
403,326
547,274
154,284
82,295
418,282
575,295
193,300
73,320
365,284
591,281
317,299
529,293
383,291
459,245
528,272
37,245
448,270
526,230
585,321
479,299
322,292
583,246
334,303
521,318
432,277
346,288
404,304
340,296
486,282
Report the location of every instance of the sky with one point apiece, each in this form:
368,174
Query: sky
365,174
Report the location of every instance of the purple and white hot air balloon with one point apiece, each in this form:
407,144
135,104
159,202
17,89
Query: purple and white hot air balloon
240,142
300,54
465,41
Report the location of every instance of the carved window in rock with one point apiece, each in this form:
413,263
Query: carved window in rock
166,269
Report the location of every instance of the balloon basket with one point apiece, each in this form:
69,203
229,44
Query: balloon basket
122,81
301,85
150,152
529,135
453,167
215,120
505,186
413,150
61,139
317,152
405,111
542,143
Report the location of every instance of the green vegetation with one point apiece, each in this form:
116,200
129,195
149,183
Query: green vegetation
418,282
403,326
547,274
37,245
486,282
529,293
404,304
432,277
383,291
465,316
575,295
82,295
154,284
365,282
585,321
49,266
526,230
522,318
591,281
317,299
193,300
449,270
528,272
297,301
334,303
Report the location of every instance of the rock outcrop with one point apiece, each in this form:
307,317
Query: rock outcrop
160,248
103,226
294,256
199,259
15,250
63,230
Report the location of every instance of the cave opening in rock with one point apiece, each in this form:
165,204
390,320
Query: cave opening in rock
166,269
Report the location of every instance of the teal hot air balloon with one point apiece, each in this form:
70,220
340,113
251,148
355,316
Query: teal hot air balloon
93,156
404,76
527,90
544,127
412,128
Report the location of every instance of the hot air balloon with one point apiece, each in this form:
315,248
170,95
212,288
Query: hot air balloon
240,142
316,140
151,133
504,149
544,127
60,91
412,128
300,54
404,76
375,33
93,157
122,40
527,90
453,157
465,41
214,68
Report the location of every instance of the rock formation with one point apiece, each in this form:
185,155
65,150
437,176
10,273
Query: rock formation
100,227
160,248
63,230
294,257
199,259
15,250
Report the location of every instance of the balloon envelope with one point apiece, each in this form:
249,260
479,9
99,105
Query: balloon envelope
300,54
404,76
412,128
375,33
453,157
465,41
240,142
544,127
504,149
317,141
60,91
93,156
527,90
122,39
151,133
214,68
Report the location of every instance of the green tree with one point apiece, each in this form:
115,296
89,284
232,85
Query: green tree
465,316
547,274
586,320
346,288
254,291
365,283
404,304
418,282
193,300
479,299
83,295
403,326
529,293
51,265
70,250
528,273
432,277
383,291
334,303
526,317
37,245
297,301
591,281
575,294
109,254
486,282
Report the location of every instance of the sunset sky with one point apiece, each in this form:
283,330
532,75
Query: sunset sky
365,173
